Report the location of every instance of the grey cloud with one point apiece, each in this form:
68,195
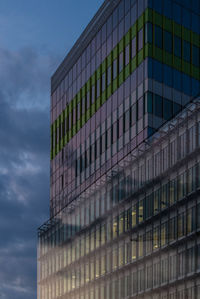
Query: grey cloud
24,166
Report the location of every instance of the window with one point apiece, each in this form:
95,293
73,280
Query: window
134,282
168,41
149,102
156,273
164,234
164,196
186,51
173,192
149,276
158,105
148,242
195,56
167,109
157,164
115,227
156,206
140,39
134,222
133,248
140,108
173,152
141,279
98,88
158,37
164,270
103,82
191,220
198,259
141,211
191,179
140,245
121,61
156,238
182,140
121,256
181,263
121,223
172,229
127,253
177,46
191,292
126,120
114,258
182,183
133,47
165,158
97,268
114,68
93,94
181,225
88,100
133,114
191,260
192,138
149,33
148,206
172,266
127,55
108,75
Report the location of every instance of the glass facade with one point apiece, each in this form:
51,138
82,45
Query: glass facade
124,206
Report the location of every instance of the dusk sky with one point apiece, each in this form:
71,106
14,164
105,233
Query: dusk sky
35,36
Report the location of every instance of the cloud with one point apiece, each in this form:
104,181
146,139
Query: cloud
24,166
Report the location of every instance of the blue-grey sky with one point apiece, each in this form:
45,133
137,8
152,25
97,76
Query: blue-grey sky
35,36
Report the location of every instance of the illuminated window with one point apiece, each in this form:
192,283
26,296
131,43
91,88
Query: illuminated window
134,248
164,234
97,268
156,238
114,263
141,210
133,216
115,227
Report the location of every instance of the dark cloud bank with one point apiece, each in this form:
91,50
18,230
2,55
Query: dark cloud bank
24,166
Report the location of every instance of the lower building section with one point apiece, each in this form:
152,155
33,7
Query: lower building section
135,233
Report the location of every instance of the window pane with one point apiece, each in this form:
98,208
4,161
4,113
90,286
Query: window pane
127,56
167,109
149,33
109,75
177,46
133,47
158,105
114,68
121,64
168,41
186,51
158,36
140,40
195,56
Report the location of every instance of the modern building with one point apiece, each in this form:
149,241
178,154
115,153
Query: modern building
125,158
